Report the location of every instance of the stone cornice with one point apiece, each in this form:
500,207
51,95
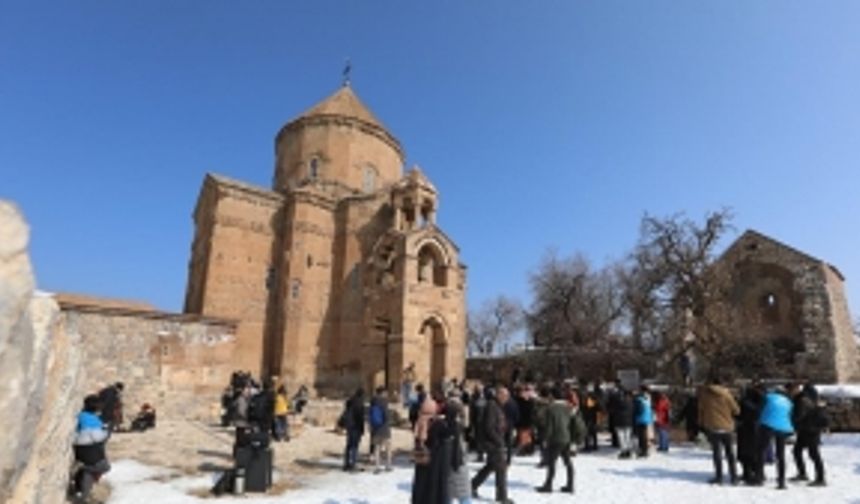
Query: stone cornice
238,188
314,198
147,314
329,119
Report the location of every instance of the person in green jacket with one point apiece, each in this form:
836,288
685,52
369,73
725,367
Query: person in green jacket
557,439
542,403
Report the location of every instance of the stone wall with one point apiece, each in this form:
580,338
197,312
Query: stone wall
847,354
583,363
41,380
780,293
177,363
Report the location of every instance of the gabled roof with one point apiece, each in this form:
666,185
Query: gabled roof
344,103
751,234
242,186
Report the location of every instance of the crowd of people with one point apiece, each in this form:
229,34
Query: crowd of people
252,407
556,420
762,421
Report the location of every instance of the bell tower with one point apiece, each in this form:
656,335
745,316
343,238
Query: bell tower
415,202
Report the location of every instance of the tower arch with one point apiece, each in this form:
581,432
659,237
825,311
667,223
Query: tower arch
435,335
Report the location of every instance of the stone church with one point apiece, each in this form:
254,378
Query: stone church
798,301
338,275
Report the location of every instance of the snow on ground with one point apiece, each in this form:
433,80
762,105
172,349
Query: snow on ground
602,478
844,391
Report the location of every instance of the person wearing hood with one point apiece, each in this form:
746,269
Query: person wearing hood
809,419
717,411
775,421
495,426
91,434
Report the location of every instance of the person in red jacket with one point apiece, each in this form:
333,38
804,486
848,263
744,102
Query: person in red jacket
662,420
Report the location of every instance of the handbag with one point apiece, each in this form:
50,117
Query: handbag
420,455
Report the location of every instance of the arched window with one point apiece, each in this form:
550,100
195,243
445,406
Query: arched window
369,180
769,306
431,266
314,168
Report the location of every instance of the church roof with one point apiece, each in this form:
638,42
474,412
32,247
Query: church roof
345,103
751,235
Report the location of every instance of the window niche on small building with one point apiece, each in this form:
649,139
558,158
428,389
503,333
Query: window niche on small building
369,179
314,168
431,267
270,278
769,306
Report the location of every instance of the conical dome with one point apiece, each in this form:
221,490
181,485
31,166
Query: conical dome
343,103
337,140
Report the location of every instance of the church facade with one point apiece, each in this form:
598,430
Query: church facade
339,275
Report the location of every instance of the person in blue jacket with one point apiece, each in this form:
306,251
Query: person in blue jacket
91,434
643,417
775,423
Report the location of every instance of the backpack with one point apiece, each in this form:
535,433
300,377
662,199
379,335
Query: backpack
578,429
820,418
377,416
257,407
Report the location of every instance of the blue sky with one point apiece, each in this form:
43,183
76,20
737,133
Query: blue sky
543,124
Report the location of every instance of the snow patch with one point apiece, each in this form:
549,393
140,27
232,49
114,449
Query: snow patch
846,391
679,476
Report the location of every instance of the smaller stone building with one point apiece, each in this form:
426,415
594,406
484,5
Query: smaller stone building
178,363
796,300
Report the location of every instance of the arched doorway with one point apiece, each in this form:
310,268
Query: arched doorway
434,335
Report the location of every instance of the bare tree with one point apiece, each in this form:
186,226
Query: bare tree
673,290
573,303
492,326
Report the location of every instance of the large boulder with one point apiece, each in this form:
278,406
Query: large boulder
40,378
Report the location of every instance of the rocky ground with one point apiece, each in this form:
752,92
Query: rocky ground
196,448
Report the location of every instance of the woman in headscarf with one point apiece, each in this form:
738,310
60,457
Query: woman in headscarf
432,456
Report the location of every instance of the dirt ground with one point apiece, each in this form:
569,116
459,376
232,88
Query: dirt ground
196,448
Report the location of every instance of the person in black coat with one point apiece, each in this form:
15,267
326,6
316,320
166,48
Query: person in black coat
809,420
430,484
110,398
477,406
512,416
623,412
524,438
495,426
747,430
690,415
353,423
612,400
